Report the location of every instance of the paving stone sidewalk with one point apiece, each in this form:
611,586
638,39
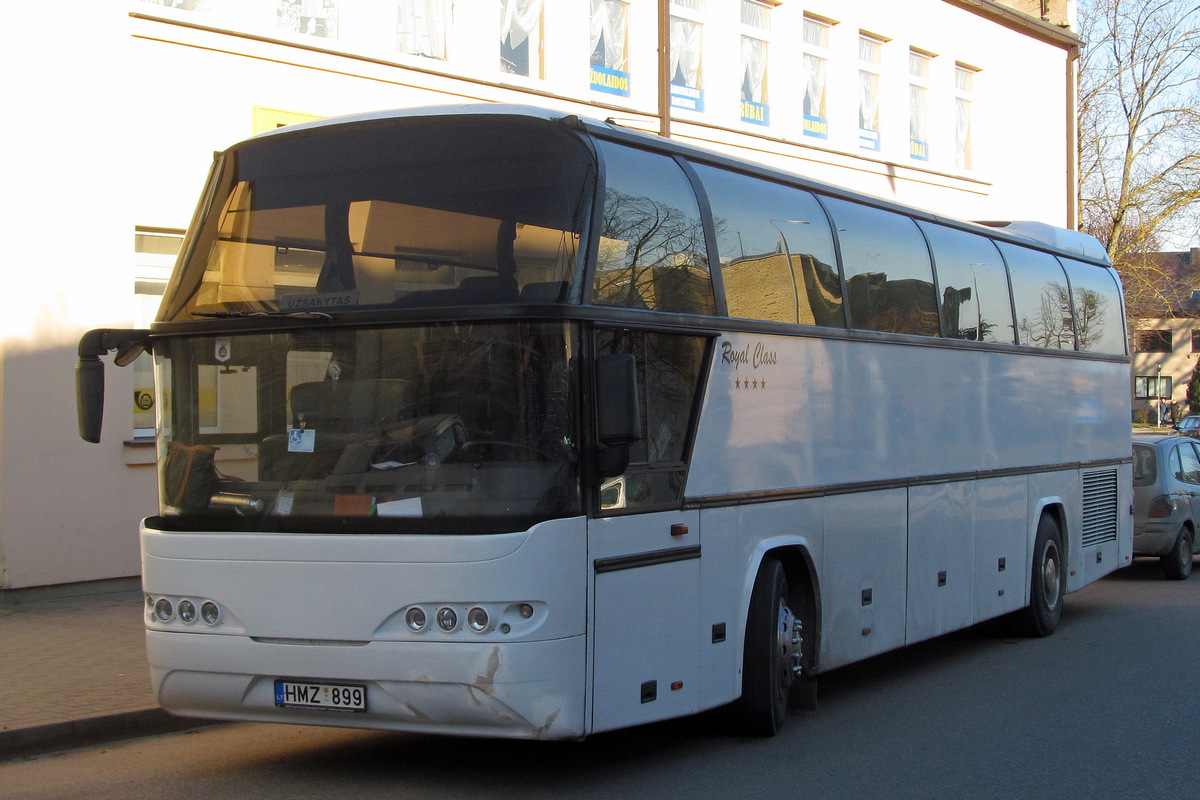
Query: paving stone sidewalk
73,672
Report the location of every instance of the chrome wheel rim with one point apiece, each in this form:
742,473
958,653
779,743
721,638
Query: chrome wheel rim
1051,576
787,645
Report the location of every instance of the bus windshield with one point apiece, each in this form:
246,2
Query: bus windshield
333,428
428,211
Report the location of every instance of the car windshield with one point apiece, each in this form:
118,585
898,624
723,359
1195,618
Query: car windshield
453,426
424,211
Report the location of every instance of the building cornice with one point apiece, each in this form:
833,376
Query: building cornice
1021,23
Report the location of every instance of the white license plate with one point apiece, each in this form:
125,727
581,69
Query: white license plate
326,696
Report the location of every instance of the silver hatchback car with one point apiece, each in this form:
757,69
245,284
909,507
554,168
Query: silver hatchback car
1166,500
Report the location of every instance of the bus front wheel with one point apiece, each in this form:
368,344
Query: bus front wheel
1048,581
771,653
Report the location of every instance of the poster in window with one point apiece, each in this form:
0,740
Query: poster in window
309,17
520,35
754,81
816,123
918,142
610,46
868,110
686,92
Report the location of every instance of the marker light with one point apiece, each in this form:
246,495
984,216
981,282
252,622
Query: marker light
187,611
477,618
210,613
163,610
447,620
415,620
525,610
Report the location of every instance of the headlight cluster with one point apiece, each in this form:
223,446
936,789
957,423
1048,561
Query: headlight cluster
186,610
484,618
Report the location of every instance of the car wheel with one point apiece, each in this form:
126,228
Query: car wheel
1047,582
1177,564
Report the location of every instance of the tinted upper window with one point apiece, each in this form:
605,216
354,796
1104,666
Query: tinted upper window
776,251
425,211
1099,315
975,298
1040,298
652,252
889,280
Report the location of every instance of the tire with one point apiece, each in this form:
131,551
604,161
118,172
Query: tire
1047,582
772,649
1177,564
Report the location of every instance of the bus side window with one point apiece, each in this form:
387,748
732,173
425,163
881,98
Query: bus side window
668,377
974,285
889,280
1099,315
776,251
1040,297
652,253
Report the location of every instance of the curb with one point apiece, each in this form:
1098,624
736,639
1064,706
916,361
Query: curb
92,731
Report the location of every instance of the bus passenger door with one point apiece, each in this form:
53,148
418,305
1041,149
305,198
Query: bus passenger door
645,620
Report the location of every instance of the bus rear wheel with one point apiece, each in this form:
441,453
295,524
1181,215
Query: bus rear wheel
772,653
1048,581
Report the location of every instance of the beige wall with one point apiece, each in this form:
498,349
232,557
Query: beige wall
1177,364
113,118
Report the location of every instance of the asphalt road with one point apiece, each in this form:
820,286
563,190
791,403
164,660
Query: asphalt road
1107,707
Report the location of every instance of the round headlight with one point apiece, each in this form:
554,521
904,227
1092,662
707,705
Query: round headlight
187,611
163,610
210,613
447,620
525,610
477,618
415,620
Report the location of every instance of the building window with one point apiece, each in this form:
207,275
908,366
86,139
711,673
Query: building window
756,26
1152,387
816,57
870,56
521,37
310,17
1154,341
421,27
918,104
687,30
610,46
155,250
964,89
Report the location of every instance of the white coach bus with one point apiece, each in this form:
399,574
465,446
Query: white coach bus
495,421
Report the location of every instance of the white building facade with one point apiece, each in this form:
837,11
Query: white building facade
964,107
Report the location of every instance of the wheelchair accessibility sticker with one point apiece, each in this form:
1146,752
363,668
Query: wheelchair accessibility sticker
301,440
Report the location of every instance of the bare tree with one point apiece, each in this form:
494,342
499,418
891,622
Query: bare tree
1139,144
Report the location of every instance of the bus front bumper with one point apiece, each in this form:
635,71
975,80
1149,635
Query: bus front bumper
529,690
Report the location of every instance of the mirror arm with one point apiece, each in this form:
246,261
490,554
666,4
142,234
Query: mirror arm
96,343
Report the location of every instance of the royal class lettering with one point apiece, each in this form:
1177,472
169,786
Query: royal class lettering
756,356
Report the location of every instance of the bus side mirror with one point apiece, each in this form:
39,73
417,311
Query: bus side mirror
89,397
89,373
618,413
